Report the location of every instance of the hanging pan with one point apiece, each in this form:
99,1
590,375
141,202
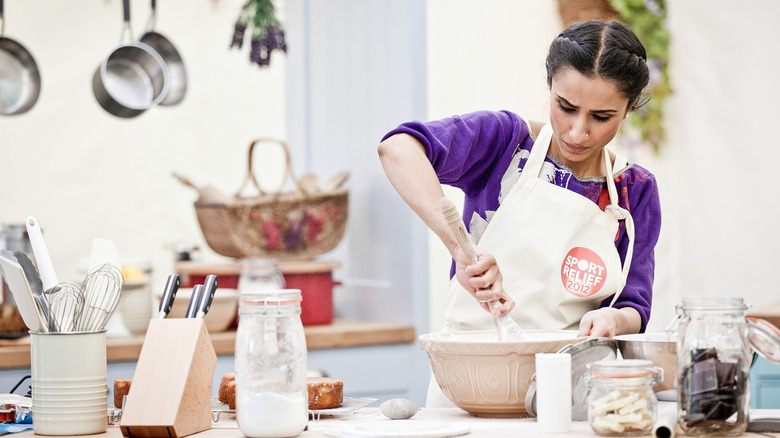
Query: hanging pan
20,80
132,78
177,74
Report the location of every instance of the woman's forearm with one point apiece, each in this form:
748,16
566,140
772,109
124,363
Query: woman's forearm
409,171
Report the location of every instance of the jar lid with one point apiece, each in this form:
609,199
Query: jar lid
713,303
276,296
764,338
622,368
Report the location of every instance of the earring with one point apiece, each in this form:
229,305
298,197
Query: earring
587,135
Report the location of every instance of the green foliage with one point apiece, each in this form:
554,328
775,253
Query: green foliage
647,18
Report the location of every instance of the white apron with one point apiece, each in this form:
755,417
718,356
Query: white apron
555,248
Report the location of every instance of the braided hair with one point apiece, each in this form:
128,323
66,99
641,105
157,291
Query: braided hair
605,49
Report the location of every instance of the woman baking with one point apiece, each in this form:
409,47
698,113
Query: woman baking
565,228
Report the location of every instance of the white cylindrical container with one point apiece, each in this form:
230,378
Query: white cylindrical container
553,392
69,387
271,390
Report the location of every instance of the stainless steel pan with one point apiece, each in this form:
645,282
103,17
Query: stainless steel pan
20,80
177,74
132,78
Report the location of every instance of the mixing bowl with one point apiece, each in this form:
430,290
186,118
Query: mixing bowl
657,347
486,377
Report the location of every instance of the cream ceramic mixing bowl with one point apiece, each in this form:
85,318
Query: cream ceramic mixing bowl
486,377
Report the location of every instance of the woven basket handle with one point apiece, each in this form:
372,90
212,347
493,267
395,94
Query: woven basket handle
288,170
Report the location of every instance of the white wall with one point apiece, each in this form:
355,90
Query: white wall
84,173
716,173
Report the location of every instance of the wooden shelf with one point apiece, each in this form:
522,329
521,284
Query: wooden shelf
338,334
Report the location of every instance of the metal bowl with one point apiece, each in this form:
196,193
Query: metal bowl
657,347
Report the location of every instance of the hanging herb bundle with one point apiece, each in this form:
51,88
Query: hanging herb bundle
259,18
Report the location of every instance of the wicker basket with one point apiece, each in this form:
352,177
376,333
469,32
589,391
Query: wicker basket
572,11
296,225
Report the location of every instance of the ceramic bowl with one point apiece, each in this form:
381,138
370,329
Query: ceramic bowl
486,377
135,306
657,347
223,309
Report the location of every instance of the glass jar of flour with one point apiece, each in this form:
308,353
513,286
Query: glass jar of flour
270,356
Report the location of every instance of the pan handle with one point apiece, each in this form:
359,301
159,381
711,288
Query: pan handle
150,25
126,28
2,20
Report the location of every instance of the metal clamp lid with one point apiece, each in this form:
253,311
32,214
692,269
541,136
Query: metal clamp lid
764,338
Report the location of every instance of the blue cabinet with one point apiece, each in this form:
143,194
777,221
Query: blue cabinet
765,385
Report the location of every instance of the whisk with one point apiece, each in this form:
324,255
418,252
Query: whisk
66,302
102,290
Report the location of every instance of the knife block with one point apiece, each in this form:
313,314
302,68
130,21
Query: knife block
170,395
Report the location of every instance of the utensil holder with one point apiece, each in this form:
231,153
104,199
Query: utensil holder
68,382
171,391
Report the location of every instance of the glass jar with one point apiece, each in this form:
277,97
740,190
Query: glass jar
258,274
270,357
621,401
713,363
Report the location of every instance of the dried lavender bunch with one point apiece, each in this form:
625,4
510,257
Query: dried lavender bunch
267,32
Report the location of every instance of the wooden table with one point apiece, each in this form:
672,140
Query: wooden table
425,419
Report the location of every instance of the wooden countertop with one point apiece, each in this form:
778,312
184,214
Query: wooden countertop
339,334
770,313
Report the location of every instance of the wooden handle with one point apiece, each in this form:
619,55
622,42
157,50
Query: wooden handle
184,180
452,216
288,171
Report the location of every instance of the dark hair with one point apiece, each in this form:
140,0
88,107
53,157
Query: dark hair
605,49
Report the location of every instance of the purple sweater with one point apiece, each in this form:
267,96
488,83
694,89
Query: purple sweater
473,152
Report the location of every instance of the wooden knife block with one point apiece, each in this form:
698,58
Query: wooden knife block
171,391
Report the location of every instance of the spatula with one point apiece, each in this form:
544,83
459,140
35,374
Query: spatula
36,286
41,253
507,328
17,283
103,285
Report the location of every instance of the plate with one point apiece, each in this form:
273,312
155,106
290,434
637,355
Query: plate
348,405
401,428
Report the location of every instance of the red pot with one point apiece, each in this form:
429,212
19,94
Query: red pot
314,279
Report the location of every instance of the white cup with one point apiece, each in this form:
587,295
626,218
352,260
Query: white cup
69,386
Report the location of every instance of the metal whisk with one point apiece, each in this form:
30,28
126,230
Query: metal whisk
66,302
102,290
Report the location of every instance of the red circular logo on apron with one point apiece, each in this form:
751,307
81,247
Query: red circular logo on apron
583,272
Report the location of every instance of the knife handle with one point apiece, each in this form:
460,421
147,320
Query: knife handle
209,288
169,294
192,309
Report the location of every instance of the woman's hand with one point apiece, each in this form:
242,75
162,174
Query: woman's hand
483,280
610,322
